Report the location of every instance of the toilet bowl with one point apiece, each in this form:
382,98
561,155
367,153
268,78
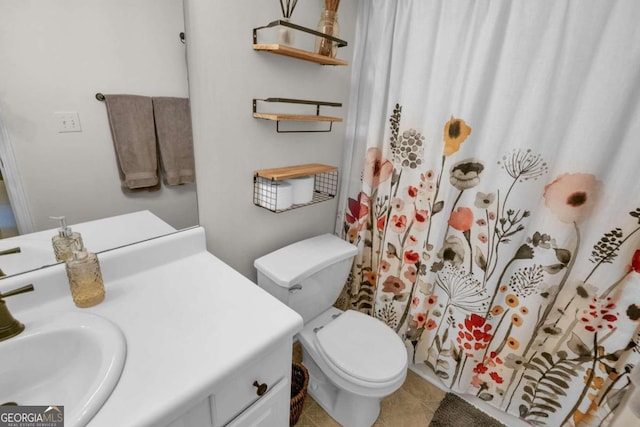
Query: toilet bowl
354,360
348,378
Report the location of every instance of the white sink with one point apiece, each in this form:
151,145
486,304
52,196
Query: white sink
72,359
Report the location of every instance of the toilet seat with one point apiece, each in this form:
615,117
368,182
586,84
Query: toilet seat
359,346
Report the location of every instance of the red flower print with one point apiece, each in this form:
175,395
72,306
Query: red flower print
496,377
376,169
461,219
426,176
599,315
399,223
411,257
480,368
420,319
473,334
430,301
393,284
358,208
380,223
412,240
421,218
431,324
352,214
493,356
635,261
412,191
384,266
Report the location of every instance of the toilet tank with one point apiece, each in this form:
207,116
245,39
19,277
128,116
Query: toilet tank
307,275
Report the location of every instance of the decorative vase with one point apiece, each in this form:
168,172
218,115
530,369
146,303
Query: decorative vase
286,35
328,25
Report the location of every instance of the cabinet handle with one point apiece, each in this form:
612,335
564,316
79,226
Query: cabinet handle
262,388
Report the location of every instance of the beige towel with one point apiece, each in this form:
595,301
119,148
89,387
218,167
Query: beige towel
133,133
175,139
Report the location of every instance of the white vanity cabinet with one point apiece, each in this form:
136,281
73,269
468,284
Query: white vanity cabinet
259,383
198,336
272,409
267,411
239,400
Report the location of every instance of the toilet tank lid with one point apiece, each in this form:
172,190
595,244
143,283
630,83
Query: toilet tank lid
292,264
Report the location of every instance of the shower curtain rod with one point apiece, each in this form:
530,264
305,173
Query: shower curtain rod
99,96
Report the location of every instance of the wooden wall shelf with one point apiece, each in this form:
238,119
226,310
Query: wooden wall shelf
296,117
288,172
292,52
267,187
304,55
278,117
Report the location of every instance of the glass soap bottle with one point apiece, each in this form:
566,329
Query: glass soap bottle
85,278
65,241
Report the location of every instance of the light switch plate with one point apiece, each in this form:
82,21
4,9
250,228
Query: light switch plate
68,121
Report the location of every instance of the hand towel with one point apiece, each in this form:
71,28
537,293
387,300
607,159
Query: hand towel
175,139
134,139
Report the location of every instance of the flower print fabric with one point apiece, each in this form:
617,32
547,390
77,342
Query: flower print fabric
377,169
572,197
461,219
492,302
466,174
456,132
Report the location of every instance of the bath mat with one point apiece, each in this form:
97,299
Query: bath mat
456,412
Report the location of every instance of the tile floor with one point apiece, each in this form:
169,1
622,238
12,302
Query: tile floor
412,405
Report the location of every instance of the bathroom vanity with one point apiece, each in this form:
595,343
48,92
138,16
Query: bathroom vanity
204,345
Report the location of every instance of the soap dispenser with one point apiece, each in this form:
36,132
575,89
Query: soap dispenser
65,241
85,278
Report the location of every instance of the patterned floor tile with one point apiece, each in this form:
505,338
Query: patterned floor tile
412,405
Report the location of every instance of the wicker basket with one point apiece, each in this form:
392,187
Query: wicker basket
299,383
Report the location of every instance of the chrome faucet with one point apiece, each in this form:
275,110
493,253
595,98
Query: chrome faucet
9,326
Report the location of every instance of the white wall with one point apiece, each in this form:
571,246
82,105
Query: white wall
55,55
225,74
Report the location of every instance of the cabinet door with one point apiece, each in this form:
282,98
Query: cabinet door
272,410
240,390
198,416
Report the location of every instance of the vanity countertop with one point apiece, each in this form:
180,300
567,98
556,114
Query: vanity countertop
98,235
189,321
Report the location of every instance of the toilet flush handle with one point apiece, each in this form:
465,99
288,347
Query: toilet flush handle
295,288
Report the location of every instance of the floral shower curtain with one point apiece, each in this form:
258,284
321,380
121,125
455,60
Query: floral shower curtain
489,183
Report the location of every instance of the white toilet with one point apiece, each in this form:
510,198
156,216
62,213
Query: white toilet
354,360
